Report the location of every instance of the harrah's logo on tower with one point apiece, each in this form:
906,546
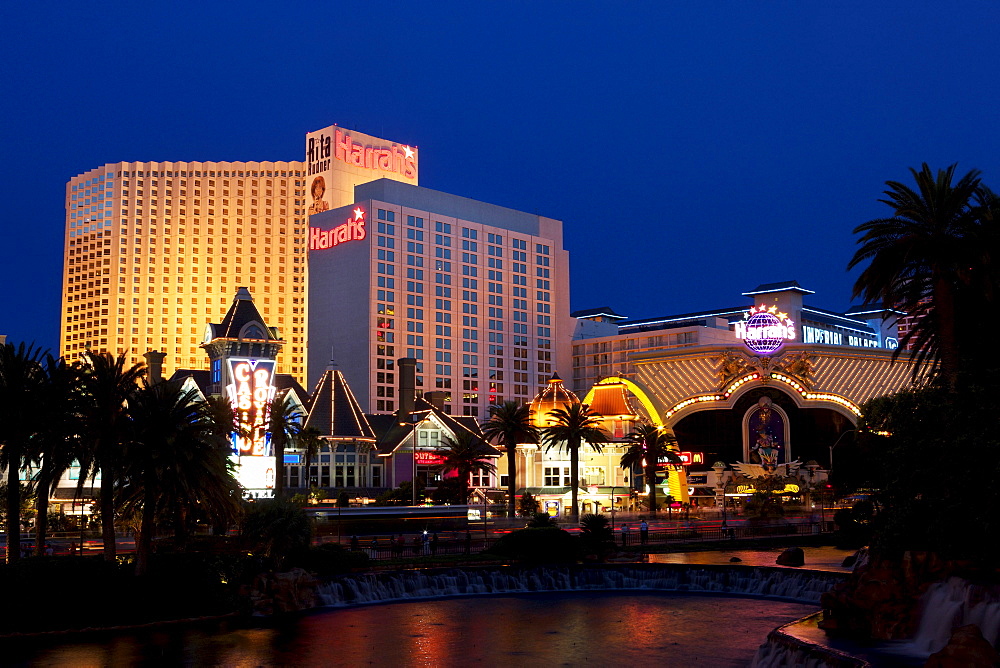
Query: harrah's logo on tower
396,159
352,230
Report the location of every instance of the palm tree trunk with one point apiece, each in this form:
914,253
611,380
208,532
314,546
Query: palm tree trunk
511,480
108,510
574,467
944,304
41,511
651,481
13,504
279,466
180,527
145,544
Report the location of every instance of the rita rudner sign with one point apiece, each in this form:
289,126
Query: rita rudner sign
396,159
352,230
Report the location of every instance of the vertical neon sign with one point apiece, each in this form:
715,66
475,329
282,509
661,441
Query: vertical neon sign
250,394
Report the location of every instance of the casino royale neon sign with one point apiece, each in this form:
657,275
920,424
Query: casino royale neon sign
250,395
352,230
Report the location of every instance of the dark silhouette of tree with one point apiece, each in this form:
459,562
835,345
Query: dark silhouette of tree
650,445
58,442
175,462
569,429
23,384
464,455
510,424
284,424
309,441
107,388
933,259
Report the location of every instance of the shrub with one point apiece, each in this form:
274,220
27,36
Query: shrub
545,545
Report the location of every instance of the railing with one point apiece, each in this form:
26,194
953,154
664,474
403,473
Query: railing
383,547
715,533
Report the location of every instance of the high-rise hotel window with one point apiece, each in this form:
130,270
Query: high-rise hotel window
442,227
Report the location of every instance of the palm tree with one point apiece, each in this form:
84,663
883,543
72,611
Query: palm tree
176,462
509,425
569,429
224,418
650,445
919,260
284,424
22,398
309,440
58,442
466,454
107,386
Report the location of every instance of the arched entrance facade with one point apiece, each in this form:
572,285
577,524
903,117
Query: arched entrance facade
730,432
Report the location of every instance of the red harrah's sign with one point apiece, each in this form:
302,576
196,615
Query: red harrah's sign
398,159
352,230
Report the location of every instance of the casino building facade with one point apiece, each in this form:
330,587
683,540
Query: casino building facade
723,381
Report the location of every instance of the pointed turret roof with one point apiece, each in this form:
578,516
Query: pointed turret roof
335,411
243,321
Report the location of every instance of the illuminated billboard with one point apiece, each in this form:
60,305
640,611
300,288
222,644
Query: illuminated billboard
339,159
250,392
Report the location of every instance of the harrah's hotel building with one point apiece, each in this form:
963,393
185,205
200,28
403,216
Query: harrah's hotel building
156,250
476,293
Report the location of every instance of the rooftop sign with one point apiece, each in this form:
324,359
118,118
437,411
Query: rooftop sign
764,330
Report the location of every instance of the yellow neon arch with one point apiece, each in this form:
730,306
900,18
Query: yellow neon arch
641,395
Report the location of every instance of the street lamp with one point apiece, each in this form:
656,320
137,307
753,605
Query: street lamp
613,488
835,444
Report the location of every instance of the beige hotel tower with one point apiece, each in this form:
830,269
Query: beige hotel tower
156,250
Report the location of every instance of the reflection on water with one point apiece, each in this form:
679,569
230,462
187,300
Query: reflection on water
591,629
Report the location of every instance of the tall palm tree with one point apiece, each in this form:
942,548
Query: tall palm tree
58,442
919,259
309,440
176,461
22,393
284,424
569,429
510,424
466,454
649,446
108,385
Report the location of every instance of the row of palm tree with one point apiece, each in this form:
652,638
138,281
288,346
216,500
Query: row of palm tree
936,259
570,428
160,450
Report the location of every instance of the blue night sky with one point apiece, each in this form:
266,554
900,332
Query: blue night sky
693,150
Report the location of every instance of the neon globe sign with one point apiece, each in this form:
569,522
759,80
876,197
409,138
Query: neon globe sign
764,330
